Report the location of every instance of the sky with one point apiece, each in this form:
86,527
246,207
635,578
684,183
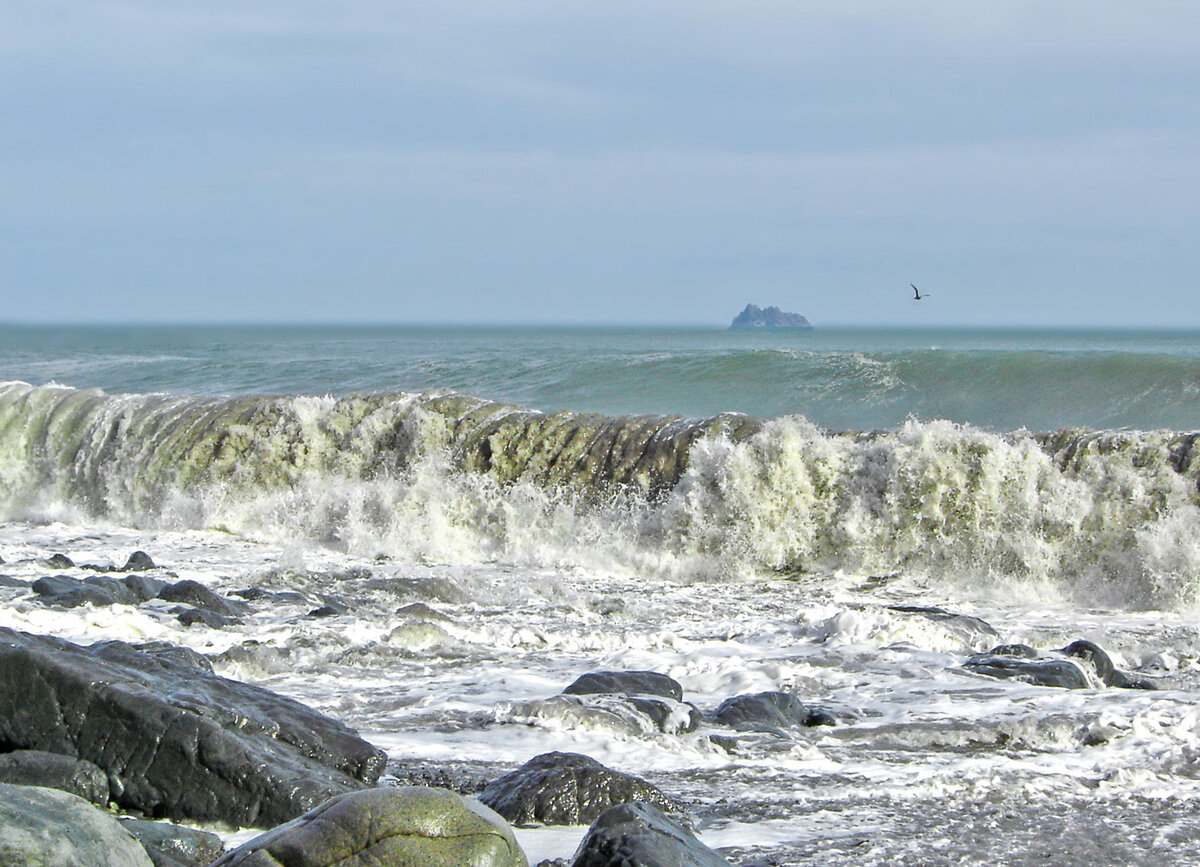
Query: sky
1025,162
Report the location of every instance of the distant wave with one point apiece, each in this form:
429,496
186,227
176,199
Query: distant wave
447,477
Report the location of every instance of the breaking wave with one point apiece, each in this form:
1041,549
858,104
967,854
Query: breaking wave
448,478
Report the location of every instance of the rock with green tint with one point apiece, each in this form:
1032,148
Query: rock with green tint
48,828
411,826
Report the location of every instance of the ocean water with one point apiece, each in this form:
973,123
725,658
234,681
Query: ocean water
843,515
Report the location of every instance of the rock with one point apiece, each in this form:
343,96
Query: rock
139,561
211,619
59,561
639,834
175,740
67,592
197,595
964,622
143,586
1056,667
768,711
626,682
772,317
1105,670
1023,663
55,771
566,789
400,827
47,828
168,844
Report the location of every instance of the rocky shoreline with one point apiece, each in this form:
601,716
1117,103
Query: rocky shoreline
110,752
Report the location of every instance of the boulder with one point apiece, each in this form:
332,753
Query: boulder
175,740
55,771
170,845
1057,668
67,592
47,828
566,789
197,595
400,827
768,711
639,834
627,683
139,561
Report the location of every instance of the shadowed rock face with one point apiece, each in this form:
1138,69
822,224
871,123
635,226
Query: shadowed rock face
639,834
566,789
55,771
399,827
175,740
768,710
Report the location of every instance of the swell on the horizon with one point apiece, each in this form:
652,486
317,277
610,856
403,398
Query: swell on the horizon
450,478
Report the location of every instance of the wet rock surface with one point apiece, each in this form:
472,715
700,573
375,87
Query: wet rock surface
566,789
639,834
1080,665
55,771
175,740
768,711
400,827
42,827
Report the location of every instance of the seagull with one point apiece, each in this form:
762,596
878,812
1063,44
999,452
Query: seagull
917,293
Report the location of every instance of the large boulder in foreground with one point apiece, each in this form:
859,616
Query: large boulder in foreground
176,740
566,789
400,827
639,834
43,827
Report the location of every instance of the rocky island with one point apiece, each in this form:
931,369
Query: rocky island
755,317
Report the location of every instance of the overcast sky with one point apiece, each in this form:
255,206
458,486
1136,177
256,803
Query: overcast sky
1031,162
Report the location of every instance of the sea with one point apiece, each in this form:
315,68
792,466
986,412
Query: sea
845,515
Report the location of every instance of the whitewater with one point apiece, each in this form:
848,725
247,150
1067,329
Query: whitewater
487,514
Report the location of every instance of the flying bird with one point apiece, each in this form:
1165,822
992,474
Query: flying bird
917,293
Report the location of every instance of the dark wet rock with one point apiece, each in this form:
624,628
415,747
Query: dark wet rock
139,561
197,595
626,682
144,587
169,845
566,789
1103,665
192,616
639,834
331,608
55,771
1039,670
59,561
67,592
9,581
948,618
175,740
421,611
630,715
257,594
1056,667
42,827
133,655
768,711
668,715
406,827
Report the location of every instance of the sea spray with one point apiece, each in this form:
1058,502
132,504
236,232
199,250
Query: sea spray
450,478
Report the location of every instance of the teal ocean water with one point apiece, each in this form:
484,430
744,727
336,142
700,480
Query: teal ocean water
843,515
837,378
